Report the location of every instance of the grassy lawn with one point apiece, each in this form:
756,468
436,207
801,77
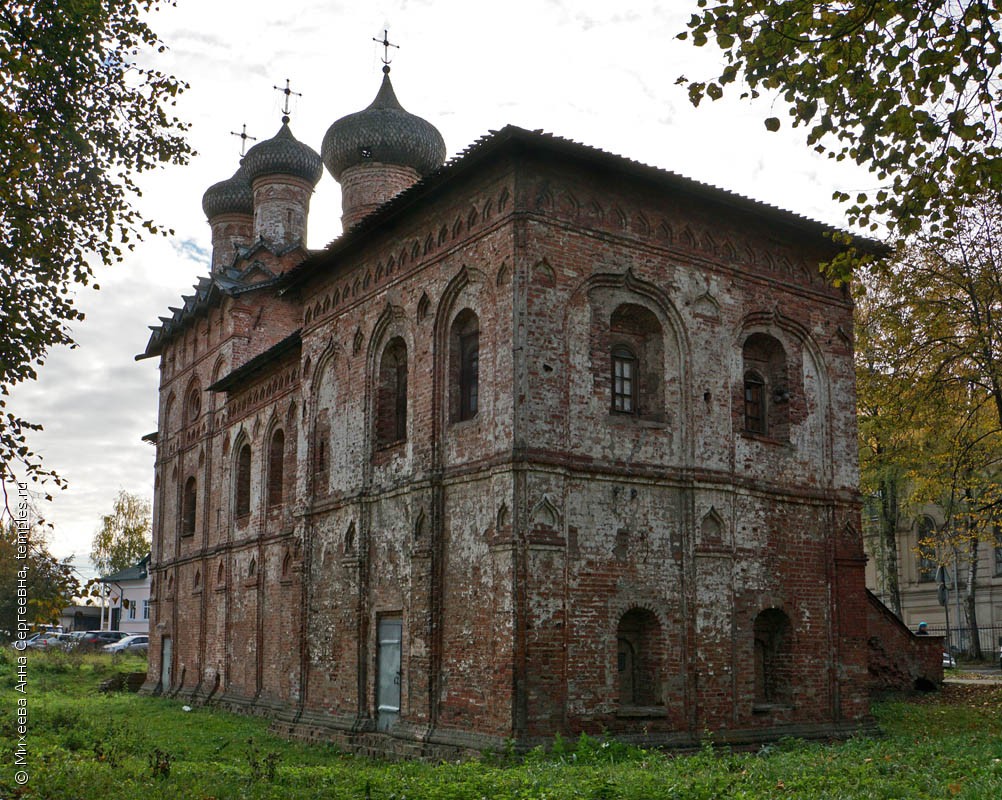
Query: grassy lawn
84,744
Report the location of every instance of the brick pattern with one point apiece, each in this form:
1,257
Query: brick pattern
281,206
367,186
230,232
523,547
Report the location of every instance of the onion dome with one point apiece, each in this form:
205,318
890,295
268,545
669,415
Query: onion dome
383,133
232,196
283,155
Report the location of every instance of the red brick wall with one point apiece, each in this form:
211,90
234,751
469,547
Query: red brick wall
513,545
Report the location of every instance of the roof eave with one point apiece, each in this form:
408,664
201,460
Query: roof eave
519,140
259,362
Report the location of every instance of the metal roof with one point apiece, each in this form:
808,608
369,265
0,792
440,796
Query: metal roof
136,572
258,363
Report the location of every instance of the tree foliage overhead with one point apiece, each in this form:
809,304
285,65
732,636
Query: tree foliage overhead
909,90
79,120
929,367
124,536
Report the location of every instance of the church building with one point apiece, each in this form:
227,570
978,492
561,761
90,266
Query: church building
546,441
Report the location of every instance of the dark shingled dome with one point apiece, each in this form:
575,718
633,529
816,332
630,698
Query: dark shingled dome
383,133
283,155
232,196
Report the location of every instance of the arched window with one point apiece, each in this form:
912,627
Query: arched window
242,493
639,658
925,533
773,667
391,394
464,366
636,347
189,502
166,423
766,387
276,469
192,404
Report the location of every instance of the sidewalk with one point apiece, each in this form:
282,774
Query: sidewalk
975,675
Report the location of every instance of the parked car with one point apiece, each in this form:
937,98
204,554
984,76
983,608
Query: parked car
44,641
949,662
136,643
1000,655
91,640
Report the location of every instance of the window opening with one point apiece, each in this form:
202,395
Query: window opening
773,665
927,563
766,387
624,381
276,469
391,395
469,379
635,345
639,656
242,498
188,506
464,367
755,419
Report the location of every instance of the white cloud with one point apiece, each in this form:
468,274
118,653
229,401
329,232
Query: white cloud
591,72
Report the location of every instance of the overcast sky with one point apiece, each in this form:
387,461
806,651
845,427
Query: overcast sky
596,72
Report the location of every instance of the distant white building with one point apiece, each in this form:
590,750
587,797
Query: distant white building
128,591
918,584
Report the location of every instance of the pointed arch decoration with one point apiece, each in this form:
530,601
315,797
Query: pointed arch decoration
711,527
641,224
545,514
503,276
706,305
423,307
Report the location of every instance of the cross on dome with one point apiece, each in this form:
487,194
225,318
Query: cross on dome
287,91
385,42
244,136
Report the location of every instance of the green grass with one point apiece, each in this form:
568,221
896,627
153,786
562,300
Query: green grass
85,744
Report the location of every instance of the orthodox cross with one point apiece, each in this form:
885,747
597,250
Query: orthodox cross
243,138
385,42
288,93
